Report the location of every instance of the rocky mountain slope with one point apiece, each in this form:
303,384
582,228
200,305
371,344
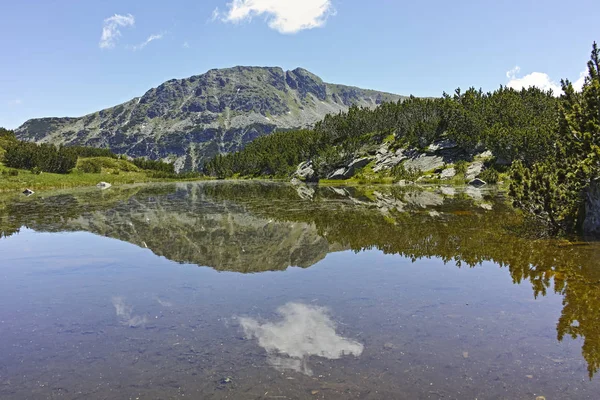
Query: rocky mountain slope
190,120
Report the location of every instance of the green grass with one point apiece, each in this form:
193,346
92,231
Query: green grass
115,172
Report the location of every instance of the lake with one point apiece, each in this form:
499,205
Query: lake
256,290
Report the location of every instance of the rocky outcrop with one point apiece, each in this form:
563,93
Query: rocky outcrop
473,170
348,171
188,121
306,172
448,173
386,159
591,222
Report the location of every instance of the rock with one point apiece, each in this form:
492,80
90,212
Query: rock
388,160
485,154
474,169
28,192
591,221
306,172
448,173
465,354
444,144
477,182
424,162
389,346
487,206
103,185
357,164
339,173
349,171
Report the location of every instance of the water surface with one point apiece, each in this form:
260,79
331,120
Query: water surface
271,291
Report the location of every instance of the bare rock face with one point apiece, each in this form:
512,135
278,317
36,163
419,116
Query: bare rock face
188,121
591,222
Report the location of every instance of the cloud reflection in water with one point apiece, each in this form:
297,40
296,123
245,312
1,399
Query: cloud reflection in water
304,331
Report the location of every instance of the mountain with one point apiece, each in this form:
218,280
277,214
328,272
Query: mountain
188,121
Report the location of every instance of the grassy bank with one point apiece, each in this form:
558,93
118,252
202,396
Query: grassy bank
115,172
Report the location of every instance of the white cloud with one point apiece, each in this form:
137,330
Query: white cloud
578,84
285,16
110,30
540,80
215,15
151,38
537,79
185,45
15,102
512,74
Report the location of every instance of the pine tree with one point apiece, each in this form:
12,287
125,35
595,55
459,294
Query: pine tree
554,189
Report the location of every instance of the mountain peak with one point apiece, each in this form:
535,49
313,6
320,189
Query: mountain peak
190,120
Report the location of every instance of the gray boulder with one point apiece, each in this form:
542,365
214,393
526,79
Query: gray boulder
306,172
440,145
424,162
591,222
474,169
103,185
448,173
339,173
351,169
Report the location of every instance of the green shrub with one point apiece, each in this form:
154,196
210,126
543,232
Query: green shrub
10,172
399,172
461,167
36,171
154,165
90,166
489,175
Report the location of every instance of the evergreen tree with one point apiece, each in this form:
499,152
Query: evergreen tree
553,189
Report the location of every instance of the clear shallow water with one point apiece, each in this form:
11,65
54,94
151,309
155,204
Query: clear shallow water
177,291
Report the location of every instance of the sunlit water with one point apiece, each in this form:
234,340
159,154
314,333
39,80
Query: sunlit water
273,291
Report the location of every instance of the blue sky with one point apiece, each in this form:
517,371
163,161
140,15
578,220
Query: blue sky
70,58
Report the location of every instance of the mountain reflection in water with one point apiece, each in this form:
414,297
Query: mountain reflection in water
255,227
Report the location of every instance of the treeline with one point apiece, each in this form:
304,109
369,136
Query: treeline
42,157
154,165
63,159
513,124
